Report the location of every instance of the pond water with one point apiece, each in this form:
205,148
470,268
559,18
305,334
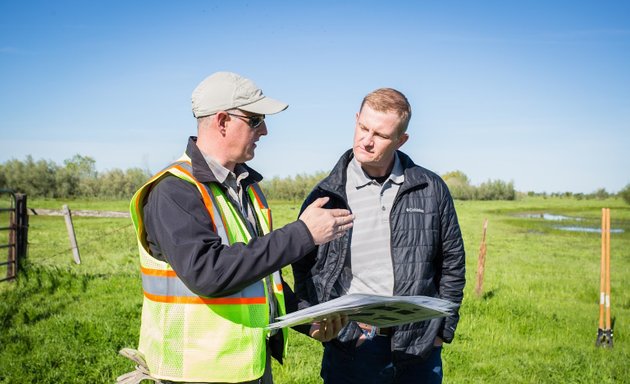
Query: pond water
572,228
548,216
588,229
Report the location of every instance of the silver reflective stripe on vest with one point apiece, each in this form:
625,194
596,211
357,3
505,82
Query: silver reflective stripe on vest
173,286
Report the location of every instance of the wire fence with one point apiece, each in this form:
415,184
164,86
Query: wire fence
106,244
84,242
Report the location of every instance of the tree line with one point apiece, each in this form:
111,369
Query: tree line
461,189
77,178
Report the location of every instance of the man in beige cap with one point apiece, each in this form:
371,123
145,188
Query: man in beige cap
210,260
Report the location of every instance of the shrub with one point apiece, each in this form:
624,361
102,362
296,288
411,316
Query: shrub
459,185
601,194
289,188
496,190
460,188
625,193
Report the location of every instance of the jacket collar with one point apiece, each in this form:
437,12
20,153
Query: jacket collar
335,182
202,172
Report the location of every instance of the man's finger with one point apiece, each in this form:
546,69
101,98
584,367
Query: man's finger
337,324
337,212
320,202
344,220
315,331
327,330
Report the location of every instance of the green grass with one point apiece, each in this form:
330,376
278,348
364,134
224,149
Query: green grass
535,323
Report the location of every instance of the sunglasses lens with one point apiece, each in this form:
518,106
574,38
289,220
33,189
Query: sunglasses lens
255,121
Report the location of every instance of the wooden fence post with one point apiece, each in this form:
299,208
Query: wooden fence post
605,332
71,235
482,260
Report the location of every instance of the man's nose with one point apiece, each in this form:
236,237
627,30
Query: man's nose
262,129
368,139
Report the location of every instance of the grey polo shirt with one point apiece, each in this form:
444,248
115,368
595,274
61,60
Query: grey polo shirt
370,250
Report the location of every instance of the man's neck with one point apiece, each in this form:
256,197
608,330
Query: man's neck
207,148
378,172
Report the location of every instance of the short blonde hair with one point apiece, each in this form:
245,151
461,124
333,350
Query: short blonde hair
390,100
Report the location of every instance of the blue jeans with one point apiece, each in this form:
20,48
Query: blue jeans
371,363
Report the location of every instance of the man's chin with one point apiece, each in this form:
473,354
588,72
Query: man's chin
361,157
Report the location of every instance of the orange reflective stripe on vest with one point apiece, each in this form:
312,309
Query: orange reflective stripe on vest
208,200
164,286
262,212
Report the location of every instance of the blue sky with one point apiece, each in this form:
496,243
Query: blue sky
534,92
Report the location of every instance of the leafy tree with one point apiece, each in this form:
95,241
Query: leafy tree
459,185
31,177
84,167
67,183
496,190
121,184
601,194
456,177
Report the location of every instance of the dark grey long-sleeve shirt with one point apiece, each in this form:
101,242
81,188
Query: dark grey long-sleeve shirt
179,231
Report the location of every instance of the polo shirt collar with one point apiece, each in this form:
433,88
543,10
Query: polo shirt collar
358,177
222,174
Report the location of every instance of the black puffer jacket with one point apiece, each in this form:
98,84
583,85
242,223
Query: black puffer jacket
427,252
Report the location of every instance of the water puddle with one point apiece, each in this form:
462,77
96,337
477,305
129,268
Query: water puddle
571,228
588,229
548,216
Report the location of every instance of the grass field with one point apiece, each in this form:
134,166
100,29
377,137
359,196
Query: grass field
535,323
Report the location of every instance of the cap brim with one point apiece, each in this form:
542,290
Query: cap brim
265,106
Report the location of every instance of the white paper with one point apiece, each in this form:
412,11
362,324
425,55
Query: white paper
376,310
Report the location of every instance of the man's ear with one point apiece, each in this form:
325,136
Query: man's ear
221,122
402,140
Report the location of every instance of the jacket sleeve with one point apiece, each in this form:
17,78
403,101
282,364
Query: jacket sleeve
453,271
179,230
304,287
292,303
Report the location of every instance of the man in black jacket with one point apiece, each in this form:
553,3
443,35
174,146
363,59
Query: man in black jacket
405,241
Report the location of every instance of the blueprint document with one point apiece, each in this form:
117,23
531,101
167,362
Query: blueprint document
380,311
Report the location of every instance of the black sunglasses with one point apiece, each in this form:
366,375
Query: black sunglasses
253,121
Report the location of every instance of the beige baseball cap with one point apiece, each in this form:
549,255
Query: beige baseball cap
222,91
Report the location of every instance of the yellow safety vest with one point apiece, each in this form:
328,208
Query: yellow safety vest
187,337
